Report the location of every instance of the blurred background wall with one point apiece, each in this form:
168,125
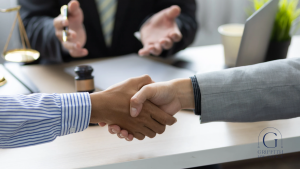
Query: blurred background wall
211,14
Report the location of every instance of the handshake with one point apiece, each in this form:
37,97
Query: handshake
138,107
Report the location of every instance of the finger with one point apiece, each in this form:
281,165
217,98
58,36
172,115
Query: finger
159,115
143,52
120,136
176,36
114,129
141,81
156,126
74,7
102,124
129,138
136,102
146,50
59,23
148,132
124,133
79,53
156,50
139,136
166,43
71,35
173,12
71,45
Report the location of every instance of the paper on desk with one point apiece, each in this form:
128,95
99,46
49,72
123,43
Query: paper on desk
115,70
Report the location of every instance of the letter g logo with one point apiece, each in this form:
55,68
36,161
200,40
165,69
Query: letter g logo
275,140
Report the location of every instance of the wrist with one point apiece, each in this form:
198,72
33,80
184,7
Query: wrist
185,93
97,106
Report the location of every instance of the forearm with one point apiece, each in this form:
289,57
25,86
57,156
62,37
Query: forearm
262,92
40,118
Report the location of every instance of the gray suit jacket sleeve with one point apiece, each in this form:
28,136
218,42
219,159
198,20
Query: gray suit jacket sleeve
263,92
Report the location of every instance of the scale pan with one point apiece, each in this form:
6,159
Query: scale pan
21,55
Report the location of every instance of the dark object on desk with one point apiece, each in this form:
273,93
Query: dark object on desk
278,50
84,81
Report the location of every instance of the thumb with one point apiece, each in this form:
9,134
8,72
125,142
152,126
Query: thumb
137,101
173,12
73,7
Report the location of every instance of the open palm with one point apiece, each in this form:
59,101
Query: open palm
160,31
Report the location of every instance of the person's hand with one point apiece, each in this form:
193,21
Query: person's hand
160,32
112,106
76,34
170,96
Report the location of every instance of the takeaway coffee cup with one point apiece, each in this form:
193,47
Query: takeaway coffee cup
231,39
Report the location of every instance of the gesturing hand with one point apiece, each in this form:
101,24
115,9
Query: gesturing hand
160,32
77,35
112,106
170,96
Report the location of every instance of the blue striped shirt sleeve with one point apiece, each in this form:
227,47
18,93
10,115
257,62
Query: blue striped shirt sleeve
40,118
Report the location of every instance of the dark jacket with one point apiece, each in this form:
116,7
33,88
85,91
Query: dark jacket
38,18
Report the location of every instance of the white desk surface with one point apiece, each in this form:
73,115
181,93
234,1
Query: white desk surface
186,144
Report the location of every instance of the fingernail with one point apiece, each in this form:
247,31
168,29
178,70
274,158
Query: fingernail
113,130
133,111
121,135
127,139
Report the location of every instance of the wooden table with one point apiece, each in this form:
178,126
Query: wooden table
185,144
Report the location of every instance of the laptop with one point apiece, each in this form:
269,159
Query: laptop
257,35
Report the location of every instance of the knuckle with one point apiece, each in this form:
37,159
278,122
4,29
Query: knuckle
147,78
134,100
143,119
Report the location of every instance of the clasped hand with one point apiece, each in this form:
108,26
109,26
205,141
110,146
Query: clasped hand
112,107
139,107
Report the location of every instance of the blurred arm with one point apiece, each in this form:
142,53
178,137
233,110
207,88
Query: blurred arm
38,18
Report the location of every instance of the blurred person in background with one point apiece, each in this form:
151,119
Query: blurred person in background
104,28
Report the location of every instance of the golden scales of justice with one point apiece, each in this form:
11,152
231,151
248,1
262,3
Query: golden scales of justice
23,55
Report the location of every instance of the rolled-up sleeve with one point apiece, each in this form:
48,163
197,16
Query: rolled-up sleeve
40,118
